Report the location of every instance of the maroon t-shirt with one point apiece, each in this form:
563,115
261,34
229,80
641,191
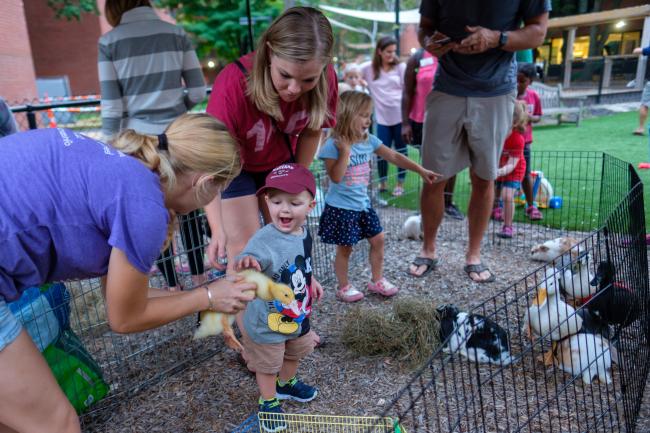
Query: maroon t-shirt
262,147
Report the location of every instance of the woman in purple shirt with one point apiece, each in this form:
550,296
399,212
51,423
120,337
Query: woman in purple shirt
73,207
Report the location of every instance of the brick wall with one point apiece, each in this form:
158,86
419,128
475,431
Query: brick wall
408,39
61,47
17,70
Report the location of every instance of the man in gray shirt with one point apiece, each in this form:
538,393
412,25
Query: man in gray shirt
469,111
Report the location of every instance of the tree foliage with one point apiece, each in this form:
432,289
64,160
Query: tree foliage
215,24
72,9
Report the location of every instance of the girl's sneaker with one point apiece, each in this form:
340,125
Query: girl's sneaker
383,287
497,214
398,191
349,294
533,213
506,232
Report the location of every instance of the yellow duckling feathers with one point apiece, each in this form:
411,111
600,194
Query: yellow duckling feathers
213,323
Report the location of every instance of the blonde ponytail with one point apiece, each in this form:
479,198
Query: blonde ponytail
196,143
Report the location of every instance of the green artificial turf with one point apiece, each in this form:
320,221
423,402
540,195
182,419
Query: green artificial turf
570,158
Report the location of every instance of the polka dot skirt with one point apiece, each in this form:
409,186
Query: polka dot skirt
347,227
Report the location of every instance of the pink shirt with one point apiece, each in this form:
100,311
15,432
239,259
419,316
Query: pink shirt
426,72
386,92
533,108
262,146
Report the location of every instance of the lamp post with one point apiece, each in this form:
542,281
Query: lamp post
397,25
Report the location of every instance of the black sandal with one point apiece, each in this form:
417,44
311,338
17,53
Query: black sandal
477,269
423,261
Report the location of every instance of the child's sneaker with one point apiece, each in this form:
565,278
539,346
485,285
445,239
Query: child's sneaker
349,294
273,418
533,213
296,390
497,214
383,287
506,232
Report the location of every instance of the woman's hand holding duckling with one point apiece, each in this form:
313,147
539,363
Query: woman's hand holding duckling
230,294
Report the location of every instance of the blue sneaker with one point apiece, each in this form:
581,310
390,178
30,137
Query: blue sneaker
295,390
272,419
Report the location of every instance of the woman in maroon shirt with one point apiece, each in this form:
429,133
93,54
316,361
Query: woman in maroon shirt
275,102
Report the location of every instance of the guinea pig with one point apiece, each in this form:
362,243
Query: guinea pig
474,336
586,355
550,250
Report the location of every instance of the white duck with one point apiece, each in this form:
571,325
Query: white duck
549,316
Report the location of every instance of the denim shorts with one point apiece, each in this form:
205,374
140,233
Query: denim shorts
246,183
509,184
9,326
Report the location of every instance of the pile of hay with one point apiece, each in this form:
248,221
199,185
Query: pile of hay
409,333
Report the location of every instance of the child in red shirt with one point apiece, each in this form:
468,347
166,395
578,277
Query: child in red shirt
525,75
512,167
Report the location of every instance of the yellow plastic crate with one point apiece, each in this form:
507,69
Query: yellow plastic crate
306,423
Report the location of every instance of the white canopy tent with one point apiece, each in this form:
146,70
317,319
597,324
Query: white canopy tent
411,16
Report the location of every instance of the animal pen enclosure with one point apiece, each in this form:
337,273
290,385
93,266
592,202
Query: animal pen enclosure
602,208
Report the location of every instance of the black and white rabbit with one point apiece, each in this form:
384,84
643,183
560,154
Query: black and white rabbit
473,336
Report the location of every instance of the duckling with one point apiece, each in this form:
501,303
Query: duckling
588,355
213,323
575,281
549,316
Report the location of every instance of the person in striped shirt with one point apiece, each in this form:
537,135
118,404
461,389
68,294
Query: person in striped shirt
149,75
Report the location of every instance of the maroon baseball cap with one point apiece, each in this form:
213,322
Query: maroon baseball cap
291,178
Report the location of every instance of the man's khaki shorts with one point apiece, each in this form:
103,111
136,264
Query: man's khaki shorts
465,131
268,358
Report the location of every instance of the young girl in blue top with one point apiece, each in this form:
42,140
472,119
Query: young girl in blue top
348,216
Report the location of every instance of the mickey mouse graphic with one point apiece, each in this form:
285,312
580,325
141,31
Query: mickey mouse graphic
289,317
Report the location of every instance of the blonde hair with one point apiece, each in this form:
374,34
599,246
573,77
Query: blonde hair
520,117
382,44
114,9
300,34
351,103
196,143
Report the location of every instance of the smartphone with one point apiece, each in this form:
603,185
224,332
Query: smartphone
443,41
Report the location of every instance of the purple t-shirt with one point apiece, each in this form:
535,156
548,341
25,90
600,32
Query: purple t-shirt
65,201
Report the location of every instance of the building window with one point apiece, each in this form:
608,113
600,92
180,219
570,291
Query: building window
631,40
556,51
581,47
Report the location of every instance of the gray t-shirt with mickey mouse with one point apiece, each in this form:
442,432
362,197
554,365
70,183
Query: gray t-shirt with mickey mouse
285,258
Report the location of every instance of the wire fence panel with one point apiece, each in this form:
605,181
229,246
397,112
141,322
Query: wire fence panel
597,199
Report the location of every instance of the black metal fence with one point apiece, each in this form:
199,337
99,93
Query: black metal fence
453,394
602,206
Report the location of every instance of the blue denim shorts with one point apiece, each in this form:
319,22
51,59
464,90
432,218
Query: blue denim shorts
9,326
509,184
